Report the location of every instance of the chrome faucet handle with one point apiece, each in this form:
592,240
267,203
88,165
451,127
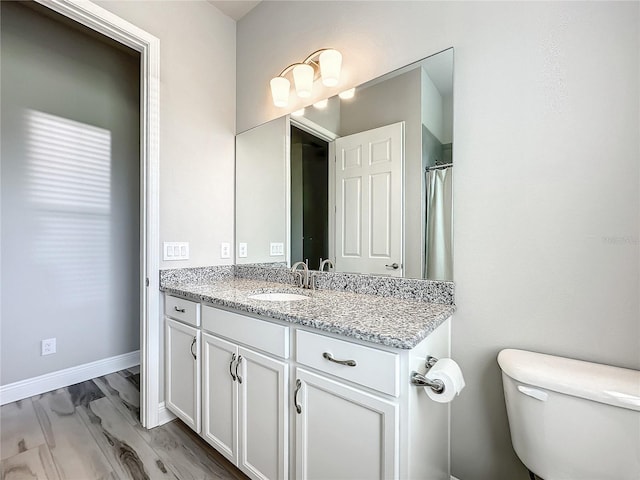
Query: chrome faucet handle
327,262
295,266
301,277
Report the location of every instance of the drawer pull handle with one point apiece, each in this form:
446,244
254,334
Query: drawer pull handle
348,363
295,396
237,365
191,348
233,359
181,310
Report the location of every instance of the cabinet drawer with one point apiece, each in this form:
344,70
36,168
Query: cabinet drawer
370,367
184,310
260,334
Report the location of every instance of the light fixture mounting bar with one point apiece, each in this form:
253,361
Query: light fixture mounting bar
309,61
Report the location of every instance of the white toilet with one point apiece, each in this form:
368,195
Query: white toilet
572,420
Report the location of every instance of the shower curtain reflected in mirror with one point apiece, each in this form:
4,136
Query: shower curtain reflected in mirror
439,232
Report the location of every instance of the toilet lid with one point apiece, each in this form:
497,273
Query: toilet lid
594,381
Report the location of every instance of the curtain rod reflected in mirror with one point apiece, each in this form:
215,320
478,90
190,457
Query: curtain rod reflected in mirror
439,167
350,182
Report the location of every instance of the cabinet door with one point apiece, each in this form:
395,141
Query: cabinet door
343,432
263,385
182,372
220,395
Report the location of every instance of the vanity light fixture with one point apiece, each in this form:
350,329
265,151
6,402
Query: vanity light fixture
326,63
280,91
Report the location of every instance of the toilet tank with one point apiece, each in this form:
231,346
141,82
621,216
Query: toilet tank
572,420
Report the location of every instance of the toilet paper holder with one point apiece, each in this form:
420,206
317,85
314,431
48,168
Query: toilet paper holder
419,380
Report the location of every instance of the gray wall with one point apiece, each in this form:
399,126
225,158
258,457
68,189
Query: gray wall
395,100
546,194
70,201
262,184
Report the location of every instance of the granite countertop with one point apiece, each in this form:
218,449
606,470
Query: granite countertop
389,321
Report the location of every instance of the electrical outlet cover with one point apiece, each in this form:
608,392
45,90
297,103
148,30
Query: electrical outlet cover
48,346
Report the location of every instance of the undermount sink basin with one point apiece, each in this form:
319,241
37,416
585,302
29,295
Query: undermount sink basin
278,297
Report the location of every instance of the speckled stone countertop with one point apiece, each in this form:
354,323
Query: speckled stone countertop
394,322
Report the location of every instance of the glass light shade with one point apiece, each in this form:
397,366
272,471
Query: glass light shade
347,94
303,79
320,104
330,65
280,91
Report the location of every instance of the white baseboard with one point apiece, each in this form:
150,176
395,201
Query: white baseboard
164,415
69,376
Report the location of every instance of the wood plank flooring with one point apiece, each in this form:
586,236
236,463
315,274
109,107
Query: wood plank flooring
91,431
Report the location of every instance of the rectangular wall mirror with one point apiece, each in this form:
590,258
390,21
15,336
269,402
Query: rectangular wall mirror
365,182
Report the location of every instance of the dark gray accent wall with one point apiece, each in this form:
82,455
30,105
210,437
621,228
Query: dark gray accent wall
70,202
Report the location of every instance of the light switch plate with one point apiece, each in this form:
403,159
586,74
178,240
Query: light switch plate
225,250
276,249
242,250
175,250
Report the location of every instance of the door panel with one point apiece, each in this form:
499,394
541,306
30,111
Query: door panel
263,418
380,215
369,196
352,217
219,404
183,372
343,432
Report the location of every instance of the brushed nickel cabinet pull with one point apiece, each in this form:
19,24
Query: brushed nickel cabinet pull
237,365
348,363
295,396
233,359
191,348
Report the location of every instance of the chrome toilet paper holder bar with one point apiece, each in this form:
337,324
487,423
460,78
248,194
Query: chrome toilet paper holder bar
419,380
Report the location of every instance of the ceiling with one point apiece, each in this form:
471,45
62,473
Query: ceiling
235,9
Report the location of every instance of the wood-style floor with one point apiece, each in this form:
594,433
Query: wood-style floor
91,431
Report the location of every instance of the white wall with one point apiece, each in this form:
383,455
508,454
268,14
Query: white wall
546,194
197,122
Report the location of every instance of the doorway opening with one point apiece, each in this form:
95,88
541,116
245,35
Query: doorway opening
124,35
309,198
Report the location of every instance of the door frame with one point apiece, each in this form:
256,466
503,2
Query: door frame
330,137
114,27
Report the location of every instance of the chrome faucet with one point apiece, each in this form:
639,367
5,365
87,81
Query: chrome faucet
326,262
302,277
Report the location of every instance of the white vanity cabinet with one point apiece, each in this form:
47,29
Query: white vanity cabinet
182,364
358,417
283,401
245,392
358,431
343,432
